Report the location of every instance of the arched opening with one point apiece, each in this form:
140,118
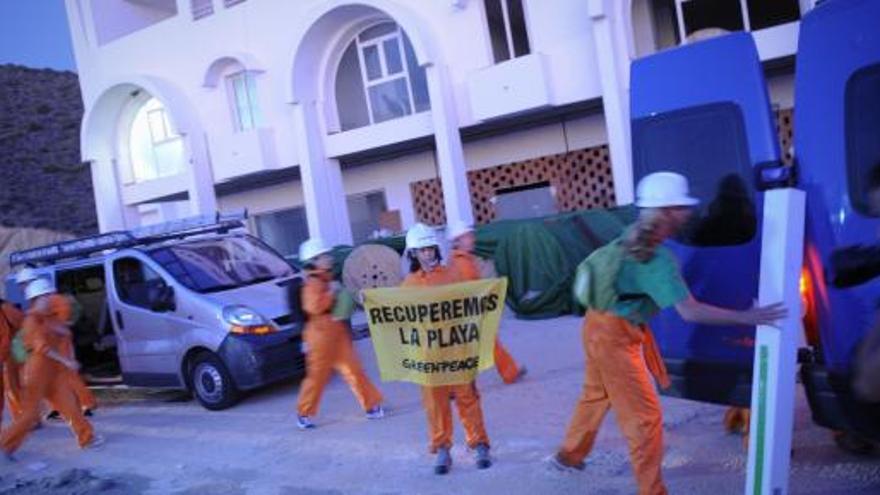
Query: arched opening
149,147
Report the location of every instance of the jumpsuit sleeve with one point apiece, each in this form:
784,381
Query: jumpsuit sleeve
316,299
36,337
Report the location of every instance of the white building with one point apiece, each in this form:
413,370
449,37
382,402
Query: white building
333,117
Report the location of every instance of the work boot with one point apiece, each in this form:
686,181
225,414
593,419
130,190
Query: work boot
443,462
559,464
96,443
88,412
53,416
376,413
304,423
482,456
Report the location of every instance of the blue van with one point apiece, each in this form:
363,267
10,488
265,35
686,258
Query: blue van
703,110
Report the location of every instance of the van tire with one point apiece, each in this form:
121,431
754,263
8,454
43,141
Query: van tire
211,383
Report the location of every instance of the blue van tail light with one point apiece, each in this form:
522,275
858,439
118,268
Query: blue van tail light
809,314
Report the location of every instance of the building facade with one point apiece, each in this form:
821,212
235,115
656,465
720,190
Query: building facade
338,118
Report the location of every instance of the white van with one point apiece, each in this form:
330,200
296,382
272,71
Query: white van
196,304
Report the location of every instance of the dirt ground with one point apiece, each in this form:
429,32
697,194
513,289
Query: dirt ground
159,444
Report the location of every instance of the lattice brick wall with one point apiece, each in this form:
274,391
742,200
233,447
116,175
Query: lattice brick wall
582,179
785,128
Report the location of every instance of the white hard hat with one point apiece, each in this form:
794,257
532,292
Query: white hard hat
457,228
662,189
313,248
420,236
25,275
38,287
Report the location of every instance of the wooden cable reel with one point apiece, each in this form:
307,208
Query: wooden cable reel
370,266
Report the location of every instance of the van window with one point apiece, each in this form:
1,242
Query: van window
136,283
708,145
211,265
862,113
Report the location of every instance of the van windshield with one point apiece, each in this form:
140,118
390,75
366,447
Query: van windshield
212,265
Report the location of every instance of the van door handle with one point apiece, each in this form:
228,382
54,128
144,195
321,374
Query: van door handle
119,321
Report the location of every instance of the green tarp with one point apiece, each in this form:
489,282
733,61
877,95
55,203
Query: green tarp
538,256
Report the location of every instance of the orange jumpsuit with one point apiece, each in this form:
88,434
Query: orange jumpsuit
10,385
45,379
467,268
59,310
329,348
616,377
436,399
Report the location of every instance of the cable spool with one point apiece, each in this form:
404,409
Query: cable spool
371,266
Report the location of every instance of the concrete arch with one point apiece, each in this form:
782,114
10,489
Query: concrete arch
99,139
324,26
245,61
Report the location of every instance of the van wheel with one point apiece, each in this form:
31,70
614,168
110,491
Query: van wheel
211,382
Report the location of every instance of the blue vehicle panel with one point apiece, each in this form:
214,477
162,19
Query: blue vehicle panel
702,110
837,139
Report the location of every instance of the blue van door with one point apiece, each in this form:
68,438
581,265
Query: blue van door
837,143
702,110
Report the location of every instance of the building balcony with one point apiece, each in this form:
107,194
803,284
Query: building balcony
514,86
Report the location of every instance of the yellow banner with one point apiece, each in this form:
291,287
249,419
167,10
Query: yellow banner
441,335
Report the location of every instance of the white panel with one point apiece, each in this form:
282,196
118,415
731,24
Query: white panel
374,136
514,86
243,153
777,41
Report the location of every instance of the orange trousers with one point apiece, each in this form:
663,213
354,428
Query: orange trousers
330,349
83,394
616,377
45,379
436,401
10,388
505,363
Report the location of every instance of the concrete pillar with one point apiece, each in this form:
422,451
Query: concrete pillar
112,213
450,155
612,55
202,198
324,195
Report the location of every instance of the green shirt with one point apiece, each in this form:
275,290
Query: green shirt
646,288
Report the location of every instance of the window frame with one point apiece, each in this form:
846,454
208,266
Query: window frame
379,43
249,85
508,30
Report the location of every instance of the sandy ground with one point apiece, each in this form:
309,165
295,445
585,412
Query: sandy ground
160,446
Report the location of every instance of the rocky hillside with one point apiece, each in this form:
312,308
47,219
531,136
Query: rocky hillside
43,183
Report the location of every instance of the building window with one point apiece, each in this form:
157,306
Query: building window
862,120
507,29
201,8
378,78
529,201
155,149
764,13
364,211
242,89
283,230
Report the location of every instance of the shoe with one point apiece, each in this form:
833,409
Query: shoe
482,456
96,443
523,371
88,412
443,462
376,413
53,416
557,463
304,423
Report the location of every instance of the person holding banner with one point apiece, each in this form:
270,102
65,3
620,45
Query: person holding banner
327,341
623,285
464,262
423,251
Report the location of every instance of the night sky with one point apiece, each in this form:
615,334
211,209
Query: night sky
34,33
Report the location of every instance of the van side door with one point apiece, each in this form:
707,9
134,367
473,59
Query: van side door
143,312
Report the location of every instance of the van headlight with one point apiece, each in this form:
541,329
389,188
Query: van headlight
244,320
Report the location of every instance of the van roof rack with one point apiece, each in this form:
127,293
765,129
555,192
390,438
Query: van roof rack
120,239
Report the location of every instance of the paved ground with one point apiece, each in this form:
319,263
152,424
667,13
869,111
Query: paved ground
158,446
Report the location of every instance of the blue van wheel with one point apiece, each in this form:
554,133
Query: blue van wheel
211,382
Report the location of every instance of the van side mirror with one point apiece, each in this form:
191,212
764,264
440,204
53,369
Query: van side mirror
164,300
775,175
